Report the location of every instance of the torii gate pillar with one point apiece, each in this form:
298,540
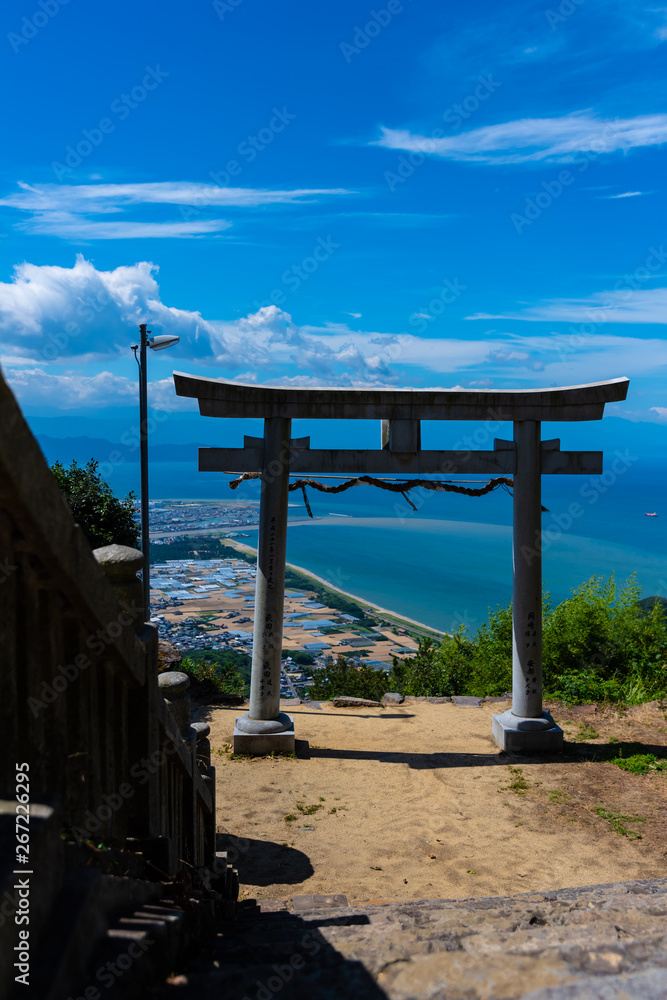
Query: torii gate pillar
265,728
526,728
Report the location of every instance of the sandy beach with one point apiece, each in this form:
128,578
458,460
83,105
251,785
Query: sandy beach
353,597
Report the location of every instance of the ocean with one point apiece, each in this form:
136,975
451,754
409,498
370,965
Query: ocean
451,560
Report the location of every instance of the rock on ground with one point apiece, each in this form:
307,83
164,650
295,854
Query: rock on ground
344,701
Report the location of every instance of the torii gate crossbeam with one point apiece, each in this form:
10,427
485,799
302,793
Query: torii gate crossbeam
525,727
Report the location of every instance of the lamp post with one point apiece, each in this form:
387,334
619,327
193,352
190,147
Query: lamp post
155,344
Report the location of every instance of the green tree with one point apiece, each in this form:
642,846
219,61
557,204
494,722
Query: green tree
104,518
218,671
299,657
340,676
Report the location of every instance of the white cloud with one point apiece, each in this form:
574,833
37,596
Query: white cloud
81,316
529,140
625,194
68,210
74,227
625,305
661,412
112,197
73,390
54,314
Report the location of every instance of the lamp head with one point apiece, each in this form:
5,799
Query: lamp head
161,343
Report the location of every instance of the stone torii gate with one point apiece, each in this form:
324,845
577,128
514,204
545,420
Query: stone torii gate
523,728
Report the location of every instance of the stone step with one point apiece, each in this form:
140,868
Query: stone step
607,941
79,920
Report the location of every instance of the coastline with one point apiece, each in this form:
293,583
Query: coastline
362,601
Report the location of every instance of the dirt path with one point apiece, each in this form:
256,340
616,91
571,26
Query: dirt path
417,801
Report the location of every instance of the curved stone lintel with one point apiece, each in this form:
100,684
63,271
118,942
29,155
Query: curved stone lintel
222,398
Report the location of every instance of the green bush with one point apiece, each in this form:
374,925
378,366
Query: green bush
641,763
598,645
342,677
218,672
104,518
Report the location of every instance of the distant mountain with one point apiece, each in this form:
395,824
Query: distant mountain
82,449
178,437
647,603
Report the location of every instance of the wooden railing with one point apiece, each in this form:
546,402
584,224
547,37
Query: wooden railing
81,704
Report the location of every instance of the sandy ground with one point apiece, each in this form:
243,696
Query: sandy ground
415,802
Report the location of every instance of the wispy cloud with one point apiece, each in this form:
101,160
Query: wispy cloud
625,194
67,225
73,211
643,305
532,140
112,197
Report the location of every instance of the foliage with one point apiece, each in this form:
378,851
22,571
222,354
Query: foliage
343,677
104,518
585,732
616,820
598,645
300,657
640,763
218,671
204,547
518,783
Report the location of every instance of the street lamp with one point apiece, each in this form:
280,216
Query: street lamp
155,344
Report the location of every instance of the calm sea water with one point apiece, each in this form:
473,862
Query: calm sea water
451,560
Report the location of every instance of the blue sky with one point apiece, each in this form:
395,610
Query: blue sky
407,194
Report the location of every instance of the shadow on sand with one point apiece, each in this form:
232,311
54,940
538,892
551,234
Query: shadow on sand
261,862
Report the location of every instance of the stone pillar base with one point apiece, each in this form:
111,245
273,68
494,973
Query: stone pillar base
261,744
530,736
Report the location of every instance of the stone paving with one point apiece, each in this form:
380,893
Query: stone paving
604,942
